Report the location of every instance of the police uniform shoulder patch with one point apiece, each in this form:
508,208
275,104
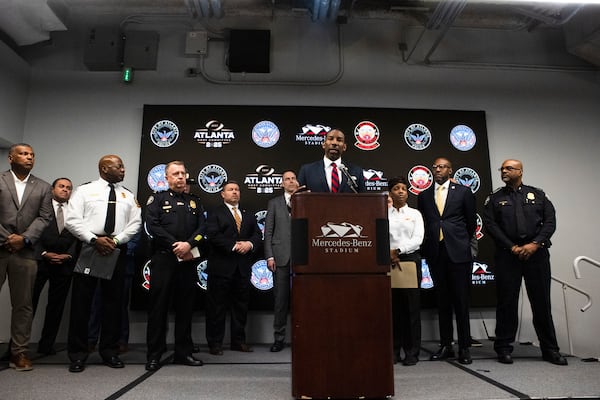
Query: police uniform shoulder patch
150,200
487,200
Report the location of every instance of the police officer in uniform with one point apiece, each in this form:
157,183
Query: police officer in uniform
175,220
521,219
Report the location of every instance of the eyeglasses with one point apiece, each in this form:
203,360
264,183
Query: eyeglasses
440,166
509,169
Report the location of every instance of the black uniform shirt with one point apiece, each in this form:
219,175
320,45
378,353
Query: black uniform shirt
499,217
175,217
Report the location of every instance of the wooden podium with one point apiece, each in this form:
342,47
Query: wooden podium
341,297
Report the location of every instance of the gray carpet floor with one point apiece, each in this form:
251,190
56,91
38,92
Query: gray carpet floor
265,376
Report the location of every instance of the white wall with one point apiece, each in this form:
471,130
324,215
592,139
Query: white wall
549,120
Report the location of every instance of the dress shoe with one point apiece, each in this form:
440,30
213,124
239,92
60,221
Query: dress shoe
48,351
464,356
443,353
20,362
554,357
190,361
77,366
410,360
277,346
243,347
216,351
114,362
476,343
505,358
153,365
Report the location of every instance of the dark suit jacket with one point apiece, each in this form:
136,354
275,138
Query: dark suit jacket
278,231
61,243
458,222
222,235
313,177
28,219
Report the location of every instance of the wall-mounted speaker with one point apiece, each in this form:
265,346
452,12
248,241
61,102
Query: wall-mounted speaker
249,51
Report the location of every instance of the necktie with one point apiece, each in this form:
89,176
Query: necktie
439,202
109,223
238,219
60,218
519,215
335,179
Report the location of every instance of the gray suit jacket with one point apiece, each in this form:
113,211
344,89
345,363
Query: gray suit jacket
278,231
28,219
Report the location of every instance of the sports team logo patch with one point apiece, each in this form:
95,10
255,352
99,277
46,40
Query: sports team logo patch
420,178
462,137
262,277
164,133
367,135
417,137
468,177
265,134
156,178
211,178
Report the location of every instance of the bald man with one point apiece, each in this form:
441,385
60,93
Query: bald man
521,219
105,215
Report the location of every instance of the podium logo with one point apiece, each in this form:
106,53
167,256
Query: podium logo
343,237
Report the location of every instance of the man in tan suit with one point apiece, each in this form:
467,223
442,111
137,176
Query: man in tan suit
25,211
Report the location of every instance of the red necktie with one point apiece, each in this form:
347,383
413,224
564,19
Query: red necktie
335,179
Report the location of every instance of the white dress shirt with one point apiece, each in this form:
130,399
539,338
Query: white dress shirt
406,229
20,185
86,212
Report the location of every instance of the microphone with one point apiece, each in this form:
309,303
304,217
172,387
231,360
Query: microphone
351,179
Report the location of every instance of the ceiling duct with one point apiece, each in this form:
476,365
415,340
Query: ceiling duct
28,22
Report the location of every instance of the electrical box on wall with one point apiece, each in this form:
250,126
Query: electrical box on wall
196,43
141,50
249,50
102,50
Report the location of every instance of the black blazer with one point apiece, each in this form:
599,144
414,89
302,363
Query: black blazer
458,223
313,176
62,243
222,235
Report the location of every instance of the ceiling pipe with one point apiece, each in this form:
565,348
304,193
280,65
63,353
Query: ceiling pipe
217,8
334,9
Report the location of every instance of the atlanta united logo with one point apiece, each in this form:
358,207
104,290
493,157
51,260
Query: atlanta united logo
417,137
468,177
156,178
367,135
420,178
265,134
462,137
164,133
211,178
202,275
262,277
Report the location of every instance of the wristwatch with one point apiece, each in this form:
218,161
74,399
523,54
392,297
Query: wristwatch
26,241
93,241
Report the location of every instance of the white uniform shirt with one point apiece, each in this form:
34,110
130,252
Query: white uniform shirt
86,212
406,229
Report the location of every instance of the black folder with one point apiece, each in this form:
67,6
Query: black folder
92,263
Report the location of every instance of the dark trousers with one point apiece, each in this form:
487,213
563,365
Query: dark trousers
59,283
223,294
281,294
509,273
452,283
171,281
81,302
406,320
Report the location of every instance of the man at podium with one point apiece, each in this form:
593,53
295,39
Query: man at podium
330,174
